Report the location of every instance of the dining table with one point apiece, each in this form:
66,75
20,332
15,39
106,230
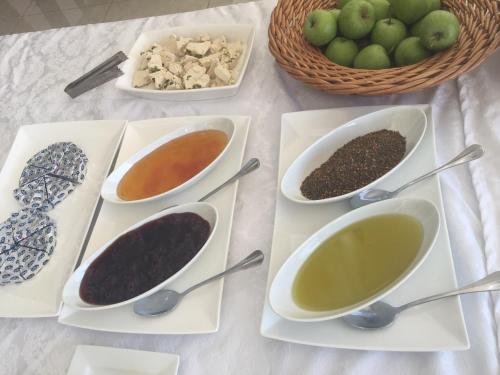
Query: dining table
34,69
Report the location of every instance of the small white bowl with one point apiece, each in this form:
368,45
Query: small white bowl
410,122
280,294
233,33
109,190
71,292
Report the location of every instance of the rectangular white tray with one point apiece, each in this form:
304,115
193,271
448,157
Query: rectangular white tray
233,31
430,327
41,296
200,311
105,360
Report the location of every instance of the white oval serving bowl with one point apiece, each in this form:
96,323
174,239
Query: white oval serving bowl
71,291
280,293
410,122
233,33
110,185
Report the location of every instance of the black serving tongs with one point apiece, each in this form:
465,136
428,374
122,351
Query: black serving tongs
102,73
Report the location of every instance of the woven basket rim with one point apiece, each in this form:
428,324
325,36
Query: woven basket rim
307,64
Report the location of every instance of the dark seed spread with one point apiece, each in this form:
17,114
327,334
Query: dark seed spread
355,164
143,258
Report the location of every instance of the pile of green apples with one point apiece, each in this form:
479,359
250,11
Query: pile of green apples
378,34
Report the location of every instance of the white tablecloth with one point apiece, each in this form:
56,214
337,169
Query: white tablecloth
34,69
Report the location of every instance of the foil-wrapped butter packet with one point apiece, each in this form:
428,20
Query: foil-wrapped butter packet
51,175
27,241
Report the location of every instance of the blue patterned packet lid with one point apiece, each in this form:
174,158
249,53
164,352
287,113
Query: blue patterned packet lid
51,175
27,241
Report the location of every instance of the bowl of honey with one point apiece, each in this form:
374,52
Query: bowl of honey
170,164
355,260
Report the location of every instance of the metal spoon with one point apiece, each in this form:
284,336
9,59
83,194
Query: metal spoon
249,166
374,195
166,300
381,314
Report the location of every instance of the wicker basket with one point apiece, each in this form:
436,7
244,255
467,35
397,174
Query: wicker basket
479,37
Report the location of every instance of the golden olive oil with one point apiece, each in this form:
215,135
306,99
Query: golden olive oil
357,262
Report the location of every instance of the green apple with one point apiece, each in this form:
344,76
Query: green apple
416,27
382,8
336,13
410,51
439,30
320,27
410,11
434,5
356,19
342,3
372,57
342,51
388,33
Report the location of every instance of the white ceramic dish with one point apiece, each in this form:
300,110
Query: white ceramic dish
41,296
199,312
233,32
110,186
280,294
409,121
103,360
71,292
431,327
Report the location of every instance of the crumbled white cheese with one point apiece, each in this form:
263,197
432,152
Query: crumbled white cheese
197,70
155,63
189,63
207,60
188,80
196,82
188,58
141,78
171,44
211,69
175,84
175,68
197,49
155,48
158,78
217,83
182,43
167,57
229,55
143,64
223,74
217,44
203,81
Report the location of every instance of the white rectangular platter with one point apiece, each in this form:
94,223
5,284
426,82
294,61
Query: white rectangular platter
233,32
104,360
430,327
200,310
41,296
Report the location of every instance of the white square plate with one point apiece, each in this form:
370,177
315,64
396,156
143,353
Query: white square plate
199,311
102,360
430,327
41,296
233,33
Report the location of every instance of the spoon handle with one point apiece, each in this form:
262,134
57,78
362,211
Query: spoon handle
254,259
249,166
472,152
489,283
